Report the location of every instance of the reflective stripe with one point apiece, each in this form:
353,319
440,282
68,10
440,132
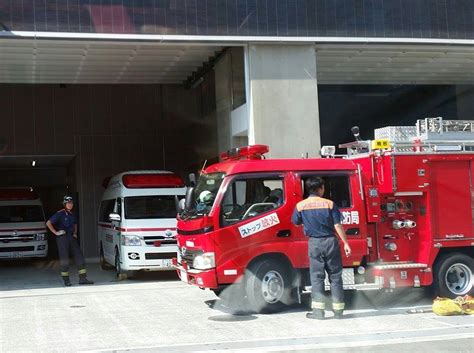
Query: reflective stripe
82,271
65,274
338,306
318,305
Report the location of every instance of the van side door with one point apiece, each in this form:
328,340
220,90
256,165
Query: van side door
106,229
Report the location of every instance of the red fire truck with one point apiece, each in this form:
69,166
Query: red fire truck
407,200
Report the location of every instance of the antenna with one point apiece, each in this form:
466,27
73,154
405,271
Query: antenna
203,166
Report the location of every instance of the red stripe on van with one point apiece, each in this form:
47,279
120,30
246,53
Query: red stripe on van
23,230
135,229
144,229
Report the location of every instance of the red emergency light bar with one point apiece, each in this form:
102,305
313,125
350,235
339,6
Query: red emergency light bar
249,152
137,181
18,194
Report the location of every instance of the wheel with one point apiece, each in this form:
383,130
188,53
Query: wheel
454,275
119,272
103,263
268,286
217,292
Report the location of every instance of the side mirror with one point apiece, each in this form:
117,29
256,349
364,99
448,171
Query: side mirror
188,199
114,217
192,179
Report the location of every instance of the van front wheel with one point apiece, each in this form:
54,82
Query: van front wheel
119,272
268,285
103,263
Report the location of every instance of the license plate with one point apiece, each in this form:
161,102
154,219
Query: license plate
15,255
184,276
166,263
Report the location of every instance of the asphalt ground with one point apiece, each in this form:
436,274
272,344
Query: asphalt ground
155,312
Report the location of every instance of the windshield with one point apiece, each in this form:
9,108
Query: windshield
21,213
206,190
150,207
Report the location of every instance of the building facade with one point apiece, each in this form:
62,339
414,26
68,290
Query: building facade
99,87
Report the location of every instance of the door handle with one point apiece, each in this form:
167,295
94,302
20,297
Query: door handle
353,231
284,233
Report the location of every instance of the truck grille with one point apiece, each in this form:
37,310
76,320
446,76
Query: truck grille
6,238
159,256
18,248
149,240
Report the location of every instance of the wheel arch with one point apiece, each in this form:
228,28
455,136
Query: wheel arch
272,256
445,252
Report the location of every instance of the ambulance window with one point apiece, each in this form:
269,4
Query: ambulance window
150,207
249,197
106,208
336,189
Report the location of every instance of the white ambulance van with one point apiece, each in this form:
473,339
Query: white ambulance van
137,221
22,224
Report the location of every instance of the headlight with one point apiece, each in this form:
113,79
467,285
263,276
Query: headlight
40,236
131,240
204,261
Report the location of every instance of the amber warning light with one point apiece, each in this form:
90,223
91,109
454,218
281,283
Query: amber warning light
136,181
250,152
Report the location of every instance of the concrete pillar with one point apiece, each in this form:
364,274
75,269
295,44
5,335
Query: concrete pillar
283,99
223,82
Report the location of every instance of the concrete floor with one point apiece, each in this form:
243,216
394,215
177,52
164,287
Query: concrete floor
157,313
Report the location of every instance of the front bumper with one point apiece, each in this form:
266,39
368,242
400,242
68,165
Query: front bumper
14,250
147,258
200,278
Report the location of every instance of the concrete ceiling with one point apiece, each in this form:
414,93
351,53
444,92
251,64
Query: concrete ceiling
394,64
29,60
79,61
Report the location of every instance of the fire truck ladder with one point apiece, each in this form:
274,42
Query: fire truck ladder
430,135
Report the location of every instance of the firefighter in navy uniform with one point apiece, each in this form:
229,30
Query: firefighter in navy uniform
320,218
63,224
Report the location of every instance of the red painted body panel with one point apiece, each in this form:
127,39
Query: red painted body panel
452,205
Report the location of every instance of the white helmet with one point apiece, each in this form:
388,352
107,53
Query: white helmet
205,197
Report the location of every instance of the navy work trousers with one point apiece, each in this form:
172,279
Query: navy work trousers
67,244
325,256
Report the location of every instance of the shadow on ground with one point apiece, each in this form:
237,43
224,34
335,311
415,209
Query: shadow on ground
33,274
358,304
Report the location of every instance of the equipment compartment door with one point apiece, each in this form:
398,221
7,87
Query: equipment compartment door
452,199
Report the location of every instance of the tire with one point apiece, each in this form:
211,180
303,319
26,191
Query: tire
454,275
118,268
268,286
217,292
119,272
103,263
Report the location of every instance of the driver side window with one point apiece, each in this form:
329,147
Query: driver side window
249,197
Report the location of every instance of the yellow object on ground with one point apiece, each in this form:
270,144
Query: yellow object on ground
458,306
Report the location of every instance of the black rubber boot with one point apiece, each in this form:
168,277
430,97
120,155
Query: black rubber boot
338,314
83,280
67,282
317,314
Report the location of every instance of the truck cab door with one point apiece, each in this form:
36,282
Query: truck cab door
343,188
253,218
